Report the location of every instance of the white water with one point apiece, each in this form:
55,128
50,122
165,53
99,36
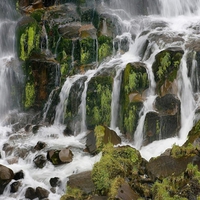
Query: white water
179,17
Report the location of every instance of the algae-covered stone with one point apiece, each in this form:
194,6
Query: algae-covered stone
101,136
27,37
166,65
98,101
115,162
134,83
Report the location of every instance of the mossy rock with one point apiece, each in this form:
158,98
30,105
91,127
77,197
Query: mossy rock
98,101
134,81
183,187
88,50
27,37
105,47
166,65
194,135
115,162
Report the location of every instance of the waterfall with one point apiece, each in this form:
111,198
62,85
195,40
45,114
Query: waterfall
9,66
143,29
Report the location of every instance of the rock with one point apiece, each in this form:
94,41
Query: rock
101,136
68,132
40,145
42,193
40,161
82,181
58,157
164,166
6,175
30,193
15,186
70,31
55,182
19,175
125,192
65,155
87,31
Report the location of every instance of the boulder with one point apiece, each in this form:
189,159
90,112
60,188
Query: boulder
6,175
55,182
15,186
58,157
19,175
165,166
40,161
30,193
40,145
41,193
101,136
83,181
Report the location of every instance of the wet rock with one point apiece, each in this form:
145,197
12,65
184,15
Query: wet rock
40,161
55,182
19,175
58,157
87,31
101,136
36,128
8,149
83,181
15,186
30,193
70,31
65,155
42,193
68,132
40,145
6,175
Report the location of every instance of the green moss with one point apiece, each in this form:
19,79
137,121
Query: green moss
98,102
73,193
105,47
129,119
115,163
29,95
183,151
37,14
88,50
115,185
99,134
29,40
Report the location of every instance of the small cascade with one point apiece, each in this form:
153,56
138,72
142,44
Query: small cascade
188,105
60,109
115,98
82,108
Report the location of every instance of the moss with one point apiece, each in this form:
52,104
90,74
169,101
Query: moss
98,102
75,193
29,95
129,119
183,151
104,47
115,184
176,187
166,65
37,14
115,162
99,134
29,40
88,50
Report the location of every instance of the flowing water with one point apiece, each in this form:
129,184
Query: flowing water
172,18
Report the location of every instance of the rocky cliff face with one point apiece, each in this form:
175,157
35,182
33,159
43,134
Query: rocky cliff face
58,39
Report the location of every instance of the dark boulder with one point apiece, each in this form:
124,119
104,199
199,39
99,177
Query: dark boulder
55,182
42,193
6,175
15,186
40,161
30,193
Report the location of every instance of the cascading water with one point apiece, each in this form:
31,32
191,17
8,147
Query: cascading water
171,18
